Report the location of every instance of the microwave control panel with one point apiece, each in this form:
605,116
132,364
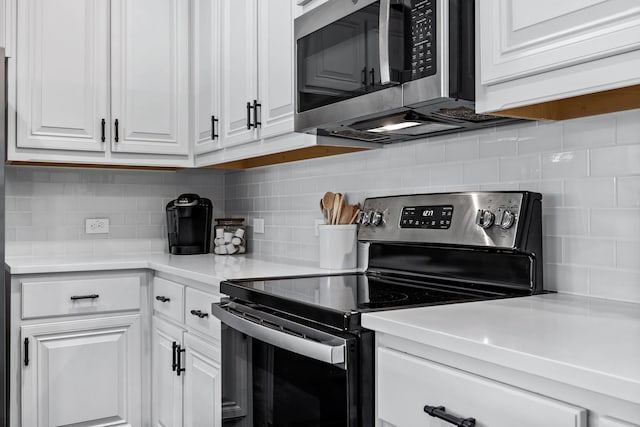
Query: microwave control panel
423,35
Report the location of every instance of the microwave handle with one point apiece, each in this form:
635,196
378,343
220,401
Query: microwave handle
333,354
383,42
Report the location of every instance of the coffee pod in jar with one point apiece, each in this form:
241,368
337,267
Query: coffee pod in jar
231,248
242,249
219,233
219,241
220,250
239,233
227,237
237,241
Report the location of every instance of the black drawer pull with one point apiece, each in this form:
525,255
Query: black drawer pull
26,352
77,297
117,135
103,130
163,298
214,135
439,412
199,314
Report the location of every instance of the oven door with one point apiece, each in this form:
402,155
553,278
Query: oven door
279,373
350,58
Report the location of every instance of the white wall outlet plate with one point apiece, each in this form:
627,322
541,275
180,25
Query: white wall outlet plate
96,225
316,223
258,225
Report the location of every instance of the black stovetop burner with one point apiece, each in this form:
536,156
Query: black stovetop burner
338,300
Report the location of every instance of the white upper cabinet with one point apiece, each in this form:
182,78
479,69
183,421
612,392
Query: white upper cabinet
240,66
101,81
205,74
63,74
535,52
276,67
150,76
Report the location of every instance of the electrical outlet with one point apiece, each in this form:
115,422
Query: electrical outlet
316,223
96,225
258,225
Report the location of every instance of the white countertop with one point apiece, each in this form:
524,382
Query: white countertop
586,342
202,268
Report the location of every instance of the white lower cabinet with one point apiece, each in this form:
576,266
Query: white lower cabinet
83,372
203,384
166,384
407,385
186,380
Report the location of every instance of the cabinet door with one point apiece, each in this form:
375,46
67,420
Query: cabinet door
520,38
239,74
85,372
150,76
206,21
275,66
203,387
63,74
166,384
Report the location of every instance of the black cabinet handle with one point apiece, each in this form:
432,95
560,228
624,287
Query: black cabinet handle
174,364
249,115
91,296
163,298
214,135
179,368
256,123
26,352
199,313
103,130
439,412
116,136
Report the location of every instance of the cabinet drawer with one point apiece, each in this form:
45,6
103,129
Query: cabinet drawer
407,383
198,313
81,296
168,298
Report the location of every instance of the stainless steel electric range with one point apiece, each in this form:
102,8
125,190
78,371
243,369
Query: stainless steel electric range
294,352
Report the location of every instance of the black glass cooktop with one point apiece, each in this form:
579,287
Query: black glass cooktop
338,300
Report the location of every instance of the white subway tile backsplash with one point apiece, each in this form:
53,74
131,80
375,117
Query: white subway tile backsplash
565,164
629,191
616,161
461,149
628,127
590,192
539,138
615,284
622,224
524,168
628,255
588,252
46,207
499,144
564,221
590,132
480,171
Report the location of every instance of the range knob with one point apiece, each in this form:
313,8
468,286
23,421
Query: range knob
376,218
507,220
364,218
485,218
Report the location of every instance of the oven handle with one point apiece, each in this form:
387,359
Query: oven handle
383,41
330,350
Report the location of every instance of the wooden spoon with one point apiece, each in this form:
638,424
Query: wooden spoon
324,211
337,206
345,214
356,212
327,202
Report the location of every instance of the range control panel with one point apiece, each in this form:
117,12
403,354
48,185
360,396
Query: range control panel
434,217
487,219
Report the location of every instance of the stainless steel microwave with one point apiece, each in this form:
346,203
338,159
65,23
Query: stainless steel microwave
387,70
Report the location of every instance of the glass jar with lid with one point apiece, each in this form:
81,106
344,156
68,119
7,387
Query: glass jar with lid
229,236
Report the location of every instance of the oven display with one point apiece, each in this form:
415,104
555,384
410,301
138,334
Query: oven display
430,217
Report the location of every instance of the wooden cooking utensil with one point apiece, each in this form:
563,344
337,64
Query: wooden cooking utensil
327,202
356,212
324,211
345,214
337,201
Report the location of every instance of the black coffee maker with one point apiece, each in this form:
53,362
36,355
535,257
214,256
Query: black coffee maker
189,225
